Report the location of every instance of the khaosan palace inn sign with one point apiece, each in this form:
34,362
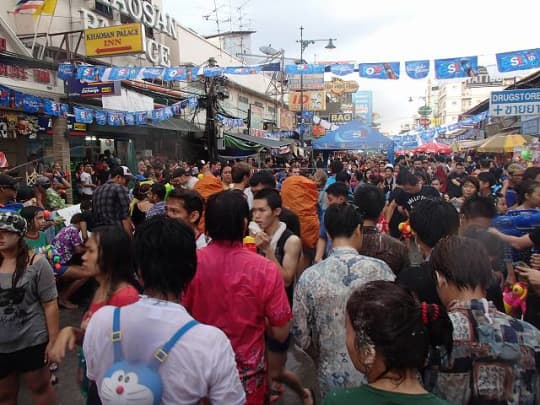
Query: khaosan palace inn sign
143,12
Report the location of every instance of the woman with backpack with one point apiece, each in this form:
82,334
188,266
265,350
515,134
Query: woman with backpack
28,315
109,260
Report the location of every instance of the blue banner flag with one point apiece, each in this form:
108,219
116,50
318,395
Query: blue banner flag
141,117
18,100
65,71
101,117
175,73
243,70
87,74
518,60
271,67
51,107
129,118
388,70
31,104
456,67
213,71
115,118
303,69
135,73
158,115
417,69
119,73
152,73
5,96
342,69
83,115
193,102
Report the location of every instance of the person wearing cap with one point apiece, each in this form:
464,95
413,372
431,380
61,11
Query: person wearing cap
8,190
110,202
29,321
182,178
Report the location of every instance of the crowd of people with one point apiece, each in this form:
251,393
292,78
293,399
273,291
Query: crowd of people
202,278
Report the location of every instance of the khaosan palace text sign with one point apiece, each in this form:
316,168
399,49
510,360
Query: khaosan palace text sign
142,12
115,40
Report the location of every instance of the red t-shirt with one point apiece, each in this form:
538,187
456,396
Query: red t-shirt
124,296
236,290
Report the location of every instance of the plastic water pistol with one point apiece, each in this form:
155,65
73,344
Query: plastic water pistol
405,229
514,298
52,256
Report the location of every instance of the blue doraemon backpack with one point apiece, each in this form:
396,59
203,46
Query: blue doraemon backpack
126,382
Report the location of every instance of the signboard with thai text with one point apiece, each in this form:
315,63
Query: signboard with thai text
509,103
309,82
114,40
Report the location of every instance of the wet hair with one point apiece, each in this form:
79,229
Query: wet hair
478,207
531,173
426,213
192,201
462,261
473,180
76,219
341,220
484,164
370,200
343,177
337,189
486,177
165,254
141,190
336,166
239,171
159,190
406,178
29,213
526,187
226,216
25,193
401,329
115,256
264,177
272,197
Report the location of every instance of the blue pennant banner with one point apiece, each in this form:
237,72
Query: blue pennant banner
129,118
101,117
385,71
5,96
418,69
141,117
456,67
518,60
303,69
115,119
31,104
175,73
342,69
66,71
83,115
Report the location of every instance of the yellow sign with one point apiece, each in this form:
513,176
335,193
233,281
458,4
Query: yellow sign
313,101
115,40
340,86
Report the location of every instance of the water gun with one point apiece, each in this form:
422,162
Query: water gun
517,222
54,259
405,229
514,298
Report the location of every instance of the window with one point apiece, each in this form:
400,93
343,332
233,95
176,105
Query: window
103,10
243,100
258,104
271,109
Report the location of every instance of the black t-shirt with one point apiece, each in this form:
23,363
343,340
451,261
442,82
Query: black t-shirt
397,217
408,201
451,189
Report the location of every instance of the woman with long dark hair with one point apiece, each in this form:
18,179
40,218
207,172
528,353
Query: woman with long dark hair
28,315
109,260
389,334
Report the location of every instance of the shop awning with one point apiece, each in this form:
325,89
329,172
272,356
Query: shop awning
267,143
176,124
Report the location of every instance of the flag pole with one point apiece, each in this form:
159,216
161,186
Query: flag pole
36,26
48,32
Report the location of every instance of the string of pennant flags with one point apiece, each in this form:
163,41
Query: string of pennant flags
33,104
450,68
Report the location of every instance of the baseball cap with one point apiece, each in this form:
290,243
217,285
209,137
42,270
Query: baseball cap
127,172
389,165
43,181
6,180
11,222
121,171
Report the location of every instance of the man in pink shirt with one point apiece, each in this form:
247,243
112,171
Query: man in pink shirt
238,291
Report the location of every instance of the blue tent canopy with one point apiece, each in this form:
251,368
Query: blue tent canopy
352,136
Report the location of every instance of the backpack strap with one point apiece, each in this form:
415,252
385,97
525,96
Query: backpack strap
161,354
116,336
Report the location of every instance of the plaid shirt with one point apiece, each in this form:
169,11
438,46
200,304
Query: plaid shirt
110,204
493,358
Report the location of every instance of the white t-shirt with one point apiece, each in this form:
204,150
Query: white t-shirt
191,182
200,365
86,178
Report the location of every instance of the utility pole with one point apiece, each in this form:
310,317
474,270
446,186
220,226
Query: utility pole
302,124
211,108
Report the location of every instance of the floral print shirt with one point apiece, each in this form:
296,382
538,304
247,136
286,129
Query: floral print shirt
493,359
66,241
319,312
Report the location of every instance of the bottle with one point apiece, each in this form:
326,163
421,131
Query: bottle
249,243
389,71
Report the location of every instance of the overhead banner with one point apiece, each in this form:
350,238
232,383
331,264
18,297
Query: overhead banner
418,69
456,67
342,69
313,101
304,69
115,40
518,60
306,82
386,71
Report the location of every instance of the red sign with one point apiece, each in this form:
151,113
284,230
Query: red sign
424,121
3,45
13,72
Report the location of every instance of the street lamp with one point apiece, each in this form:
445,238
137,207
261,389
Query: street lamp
424,111
304,43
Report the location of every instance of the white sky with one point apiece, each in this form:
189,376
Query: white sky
377,31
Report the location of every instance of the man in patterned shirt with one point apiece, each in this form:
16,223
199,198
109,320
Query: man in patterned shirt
494,356
110,204
322,292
